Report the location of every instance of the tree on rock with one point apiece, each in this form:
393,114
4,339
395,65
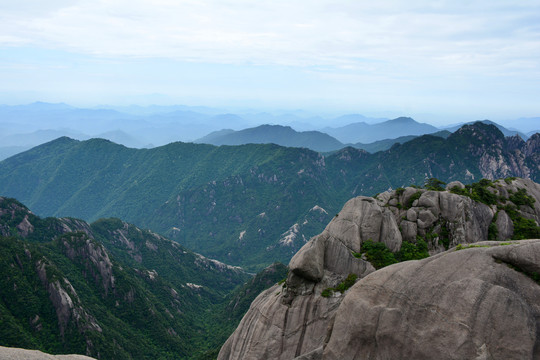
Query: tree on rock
434,184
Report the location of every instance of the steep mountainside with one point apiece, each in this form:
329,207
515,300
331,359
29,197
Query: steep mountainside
473,301
274,134
108,289
246,205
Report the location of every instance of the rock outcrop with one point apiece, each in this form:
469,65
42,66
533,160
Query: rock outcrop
445,218
8,353
65,300
472,304
476,303
293,318
80,248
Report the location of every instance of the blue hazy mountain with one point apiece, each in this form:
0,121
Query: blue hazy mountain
274,134
362,132
386,144
505,131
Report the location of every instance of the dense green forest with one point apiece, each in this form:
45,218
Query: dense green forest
246,205
111,290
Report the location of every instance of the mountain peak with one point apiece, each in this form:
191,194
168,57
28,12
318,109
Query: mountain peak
403,120
480,130
275,134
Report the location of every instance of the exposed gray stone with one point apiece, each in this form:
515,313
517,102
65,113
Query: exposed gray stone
294,320
274,330
96,259
309,262
409,230
429,199
412,215
362,219
312,355
505,226
466,304
409,191
426,219
453,184
8,353
65,301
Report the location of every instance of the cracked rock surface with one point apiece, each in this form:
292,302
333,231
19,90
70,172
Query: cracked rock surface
475,303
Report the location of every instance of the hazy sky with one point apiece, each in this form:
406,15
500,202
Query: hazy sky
461,60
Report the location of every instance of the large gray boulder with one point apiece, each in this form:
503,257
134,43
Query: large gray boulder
476,303
361,219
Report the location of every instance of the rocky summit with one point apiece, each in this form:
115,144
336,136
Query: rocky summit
471,299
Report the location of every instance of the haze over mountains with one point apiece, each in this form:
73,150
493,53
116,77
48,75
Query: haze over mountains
25,126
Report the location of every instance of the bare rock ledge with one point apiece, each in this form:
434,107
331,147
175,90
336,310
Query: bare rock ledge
7,353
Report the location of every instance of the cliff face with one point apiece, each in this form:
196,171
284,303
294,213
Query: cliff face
413,309
66,302
293,318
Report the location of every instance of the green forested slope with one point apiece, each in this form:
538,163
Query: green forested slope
247,205
109,290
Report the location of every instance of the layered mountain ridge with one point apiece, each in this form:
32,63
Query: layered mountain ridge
239,204
25,126
275,134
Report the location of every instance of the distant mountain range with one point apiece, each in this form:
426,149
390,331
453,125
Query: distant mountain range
246,205
274,134
390,131
362,132
386,144
25,126
529,125
505,131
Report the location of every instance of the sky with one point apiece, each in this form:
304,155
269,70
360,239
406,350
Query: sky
437,61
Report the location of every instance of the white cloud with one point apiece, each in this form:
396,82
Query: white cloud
381,54
339,33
